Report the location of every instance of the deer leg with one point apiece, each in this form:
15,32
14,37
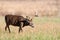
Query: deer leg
8,29
20,28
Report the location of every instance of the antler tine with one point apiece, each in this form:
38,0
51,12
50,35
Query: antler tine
27,17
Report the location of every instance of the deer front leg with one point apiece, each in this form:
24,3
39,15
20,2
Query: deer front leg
20,28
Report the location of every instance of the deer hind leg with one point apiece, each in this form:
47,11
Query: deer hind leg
6,28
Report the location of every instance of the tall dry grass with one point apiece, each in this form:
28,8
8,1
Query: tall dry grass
42,8
45,29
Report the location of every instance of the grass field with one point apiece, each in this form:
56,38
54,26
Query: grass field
45,29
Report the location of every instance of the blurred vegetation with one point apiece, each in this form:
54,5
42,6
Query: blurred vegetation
38,33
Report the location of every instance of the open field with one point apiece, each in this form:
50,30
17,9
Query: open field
47,25
42,8
45,29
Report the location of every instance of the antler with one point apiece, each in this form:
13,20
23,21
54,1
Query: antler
27,17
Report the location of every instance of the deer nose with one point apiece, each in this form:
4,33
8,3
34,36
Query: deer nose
32,26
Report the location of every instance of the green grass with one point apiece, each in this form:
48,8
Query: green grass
29,37
34,35
46,19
